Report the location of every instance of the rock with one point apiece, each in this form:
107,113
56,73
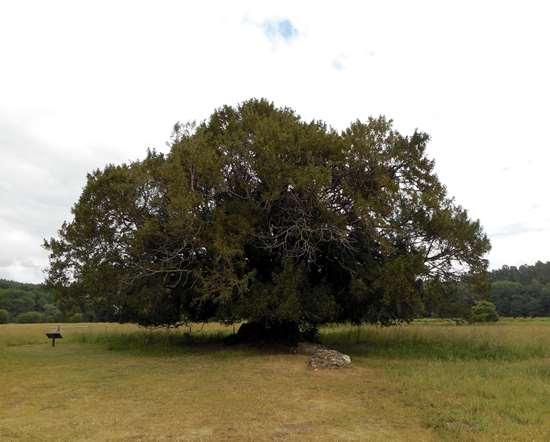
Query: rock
325,358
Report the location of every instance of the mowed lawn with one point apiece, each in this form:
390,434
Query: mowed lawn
431,380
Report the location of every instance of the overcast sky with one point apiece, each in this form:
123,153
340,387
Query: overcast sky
83,84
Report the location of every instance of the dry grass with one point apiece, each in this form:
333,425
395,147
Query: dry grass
426,381
148,387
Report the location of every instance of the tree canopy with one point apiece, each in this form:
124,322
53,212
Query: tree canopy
258,215
484,311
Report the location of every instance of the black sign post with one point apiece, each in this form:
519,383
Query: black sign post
53,336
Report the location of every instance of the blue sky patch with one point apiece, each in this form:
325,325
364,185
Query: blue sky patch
279,29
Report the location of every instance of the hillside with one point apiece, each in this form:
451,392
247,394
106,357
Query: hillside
24,302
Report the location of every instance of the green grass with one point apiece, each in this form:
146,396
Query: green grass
474,382
431,380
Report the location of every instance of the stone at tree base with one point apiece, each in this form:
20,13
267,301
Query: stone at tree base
325,358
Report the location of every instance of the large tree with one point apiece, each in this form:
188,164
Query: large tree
258,215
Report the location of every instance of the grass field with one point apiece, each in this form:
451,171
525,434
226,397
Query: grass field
431,380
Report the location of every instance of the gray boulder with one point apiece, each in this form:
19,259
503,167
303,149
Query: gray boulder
325,358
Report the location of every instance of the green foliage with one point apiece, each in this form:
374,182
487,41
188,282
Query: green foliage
52,313
18,298
76,317
7,284
257,215
484,311
522,291
454,299
4,316
525,274
30,317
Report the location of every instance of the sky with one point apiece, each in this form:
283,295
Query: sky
86,83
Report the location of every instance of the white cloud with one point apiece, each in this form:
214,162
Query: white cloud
86,83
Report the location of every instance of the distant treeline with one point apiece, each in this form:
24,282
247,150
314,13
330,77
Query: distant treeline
521,291
516,292
33,303
21,302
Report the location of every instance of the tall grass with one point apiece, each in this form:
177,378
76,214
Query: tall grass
439,340
442,342
152,340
